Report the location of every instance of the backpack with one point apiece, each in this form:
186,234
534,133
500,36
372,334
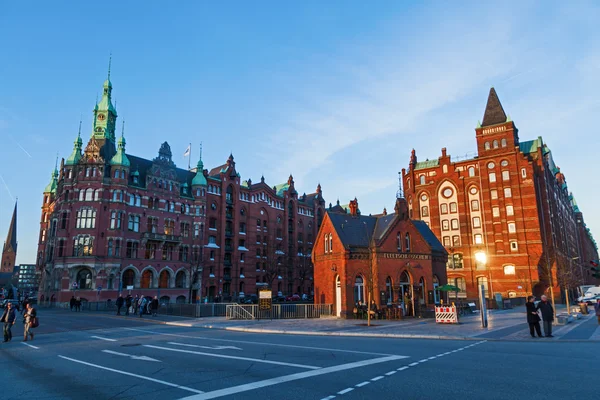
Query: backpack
35,322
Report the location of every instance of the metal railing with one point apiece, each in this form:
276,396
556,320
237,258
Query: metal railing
173,309
279,311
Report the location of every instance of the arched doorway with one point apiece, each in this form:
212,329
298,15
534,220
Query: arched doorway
359,287
338,296
180,279
163,279
147,278
128,278
84,279
406,294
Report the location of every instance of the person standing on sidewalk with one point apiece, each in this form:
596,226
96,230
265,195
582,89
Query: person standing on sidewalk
597,308
8,317
119,303
72,302
547,315
533,319
154,306
127,304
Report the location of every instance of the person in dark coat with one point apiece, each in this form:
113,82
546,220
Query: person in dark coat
154,306
72,302
127,304
533,319
547,315
119,303
9,317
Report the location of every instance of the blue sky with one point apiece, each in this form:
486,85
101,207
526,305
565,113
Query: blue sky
335,92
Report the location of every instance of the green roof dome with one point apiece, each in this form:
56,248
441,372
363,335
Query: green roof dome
51,187
120,158
199,179
76,154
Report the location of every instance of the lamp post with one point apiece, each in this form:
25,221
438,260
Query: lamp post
481,259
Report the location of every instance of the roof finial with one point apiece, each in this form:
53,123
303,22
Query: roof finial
56,162
109,62
399,194
123,129
201,150
79,134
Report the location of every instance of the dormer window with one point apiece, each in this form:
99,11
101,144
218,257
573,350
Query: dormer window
135,179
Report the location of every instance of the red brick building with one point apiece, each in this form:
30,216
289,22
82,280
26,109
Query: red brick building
398,257
505,215
111,220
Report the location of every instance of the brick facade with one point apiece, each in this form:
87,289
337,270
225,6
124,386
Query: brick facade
397,255
505,216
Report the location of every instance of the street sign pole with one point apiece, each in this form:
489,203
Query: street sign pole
484,321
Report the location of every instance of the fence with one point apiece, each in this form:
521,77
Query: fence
279,311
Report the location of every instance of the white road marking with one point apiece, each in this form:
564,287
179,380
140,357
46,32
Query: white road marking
30,345
402,368
142,358
206,347
345,391
328,398
390,373
134,375
432,358
291,346
103,338
413,364
440,355
258,360
377,378
289,378
423,360
365,383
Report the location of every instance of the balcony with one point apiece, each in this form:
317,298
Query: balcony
158,237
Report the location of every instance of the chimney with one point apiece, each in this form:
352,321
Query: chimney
353,207
384,211
443,152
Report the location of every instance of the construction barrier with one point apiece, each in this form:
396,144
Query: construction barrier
446,315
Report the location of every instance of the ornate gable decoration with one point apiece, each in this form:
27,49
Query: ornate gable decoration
92,151
165,156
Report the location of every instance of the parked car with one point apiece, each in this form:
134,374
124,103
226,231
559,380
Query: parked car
278,299
293,297
250,299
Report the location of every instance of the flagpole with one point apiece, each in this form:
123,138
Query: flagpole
190,157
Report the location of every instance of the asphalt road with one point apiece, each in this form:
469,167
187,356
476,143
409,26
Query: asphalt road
87,356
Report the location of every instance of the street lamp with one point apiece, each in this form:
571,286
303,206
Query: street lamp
481,259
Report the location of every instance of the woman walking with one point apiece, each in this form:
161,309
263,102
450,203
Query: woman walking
30,315
533,319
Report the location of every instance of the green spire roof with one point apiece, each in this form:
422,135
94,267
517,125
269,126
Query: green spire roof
51,188
199,179
121,158
76,154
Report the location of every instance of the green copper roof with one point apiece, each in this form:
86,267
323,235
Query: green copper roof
51,188
279,189
244,184
427,164
120,158
76,154
199,179
530,146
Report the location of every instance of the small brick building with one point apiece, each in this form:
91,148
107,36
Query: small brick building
400,258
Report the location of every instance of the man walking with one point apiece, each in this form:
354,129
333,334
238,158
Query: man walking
154,306
547,315
8,318
533,319
127,304
119,303
72,302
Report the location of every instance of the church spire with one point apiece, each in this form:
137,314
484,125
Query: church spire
9,251
494,113
120,158
105,114
199,179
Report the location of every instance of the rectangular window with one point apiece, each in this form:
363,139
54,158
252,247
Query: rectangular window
510,211
86,219
134,223
456,240
61,248
512,227
445,225
212,240
424,211
457,260
444,208
117,248
446,241
492,176
476,222
478,239
523,173
454,224
243,227
212,223
494,194
453,207
514,246
507,192
474,205
212,255
64,220
496,212
505,175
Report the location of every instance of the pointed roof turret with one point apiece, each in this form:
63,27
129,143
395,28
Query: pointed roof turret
494,113
51,187
76,154
199,179
120,158
11,238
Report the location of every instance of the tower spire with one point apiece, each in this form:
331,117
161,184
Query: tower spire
494,113
109,63
9,251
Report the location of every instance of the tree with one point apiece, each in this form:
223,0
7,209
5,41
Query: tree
273,263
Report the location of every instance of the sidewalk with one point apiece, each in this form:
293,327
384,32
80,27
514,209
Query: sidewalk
502,325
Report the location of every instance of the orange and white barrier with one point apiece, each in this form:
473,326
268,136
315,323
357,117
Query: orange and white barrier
446,315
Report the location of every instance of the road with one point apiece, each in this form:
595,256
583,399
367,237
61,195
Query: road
87,356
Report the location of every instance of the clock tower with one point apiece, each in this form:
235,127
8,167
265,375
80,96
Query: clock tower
105,114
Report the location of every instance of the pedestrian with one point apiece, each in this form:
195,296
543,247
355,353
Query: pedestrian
119,303
142,305
597,308
547,315
8,318
24,305
72,302
28,321
136,303
154,306
78,304
128,304
533,319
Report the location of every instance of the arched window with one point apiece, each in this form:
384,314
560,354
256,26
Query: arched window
116,173
495,144
326,243
89,194
97,195
407,242
399,241
84,279
229,194
471,171
122,174
163,279
180,279
81,195
503,143
128,278
331,243
389,290
147,278
150,202
422,180
110,247
359,290
461,284
180,299
486,145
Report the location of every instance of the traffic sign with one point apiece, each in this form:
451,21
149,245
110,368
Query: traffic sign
75,285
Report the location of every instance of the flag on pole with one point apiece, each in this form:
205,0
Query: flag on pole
187,151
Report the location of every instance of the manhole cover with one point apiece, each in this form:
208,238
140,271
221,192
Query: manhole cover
130,345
